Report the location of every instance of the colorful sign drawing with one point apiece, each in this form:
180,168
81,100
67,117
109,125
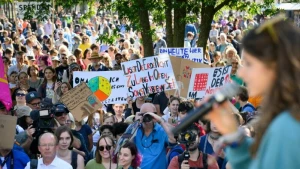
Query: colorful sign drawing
193,54
100,86
206,81
149,75
109,86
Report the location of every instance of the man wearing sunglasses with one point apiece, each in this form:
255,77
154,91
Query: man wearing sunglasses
33,100
63,66
152,138
60,113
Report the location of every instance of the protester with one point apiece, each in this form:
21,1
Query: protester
34,80
104,153
172,116
129,156
47,147
65,140
46,90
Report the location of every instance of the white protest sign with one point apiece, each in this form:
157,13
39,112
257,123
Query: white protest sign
193,54
22,6
149,75
206,81
109,86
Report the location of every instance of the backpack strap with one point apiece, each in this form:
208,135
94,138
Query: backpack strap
180,160
33,163
204,160
74,159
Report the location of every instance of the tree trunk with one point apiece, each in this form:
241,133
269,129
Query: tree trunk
169,22
179,22
207,15
145,28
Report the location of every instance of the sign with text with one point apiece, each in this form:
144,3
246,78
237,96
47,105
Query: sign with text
206,81
108,86
81,101
7,131
21,7
149,75
183,73
193,54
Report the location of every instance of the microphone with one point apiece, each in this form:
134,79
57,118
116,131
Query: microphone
227,91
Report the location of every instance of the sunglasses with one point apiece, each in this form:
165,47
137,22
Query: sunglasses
20,94
58,114
64,58
107,147
36,104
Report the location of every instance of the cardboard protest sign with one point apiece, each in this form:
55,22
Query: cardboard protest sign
183,73
80,101
149,75
7,131
193,54
206,81
108,86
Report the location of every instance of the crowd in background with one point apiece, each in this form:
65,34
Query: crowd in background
40,58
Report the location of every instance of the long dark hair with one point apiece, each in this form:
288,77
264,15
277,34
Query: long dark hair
281,53
63,129
22,122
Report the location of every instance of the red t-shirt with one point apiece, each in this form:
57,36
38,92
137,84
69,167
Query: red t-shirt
199,163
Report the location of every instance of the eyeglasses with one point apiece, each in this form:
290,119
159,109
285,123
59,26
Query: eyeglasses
64,58
20,94
47,145
36,104
107,147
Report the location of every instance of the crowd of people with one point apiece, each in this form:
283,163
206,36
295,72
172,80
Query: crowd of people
39,61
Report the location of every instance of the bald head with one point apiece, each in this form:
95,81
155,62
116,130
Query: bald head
48,136
148,107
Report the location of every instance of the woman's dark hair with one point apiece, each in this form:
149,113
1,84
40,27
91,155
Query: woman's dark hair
119,128
22,73
185,106
282,55
32,66
53,71
85,52
22,122
63,129
109,127
97,154
77,53
136,162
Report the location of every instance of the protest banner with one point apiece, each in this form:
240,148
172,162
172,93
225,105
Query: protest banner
7,131
81,101
183,73
206,81
149,75
112,90
21,7
193,54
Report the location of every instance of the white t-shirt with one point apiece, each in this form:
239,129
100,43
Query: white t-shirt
57,163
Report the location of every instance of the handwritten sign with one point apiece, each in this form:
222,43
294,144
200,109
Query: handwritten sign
206,81
7,131
80,100
116,93
183,73
149,75
193,54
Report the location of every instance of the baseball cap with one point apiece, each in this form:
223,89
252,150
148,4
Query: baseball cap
21,138
31,96
23,111
74,65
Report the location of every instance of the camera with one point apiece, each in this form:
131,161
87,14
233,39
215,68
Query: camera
147,118
187,137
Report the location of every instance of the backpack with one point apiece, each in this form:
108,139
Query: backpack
33,163
247,105
177,149
204,160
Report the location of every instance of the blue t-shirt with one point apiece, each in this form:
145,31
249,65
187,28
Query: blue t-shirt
85,131
152,147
